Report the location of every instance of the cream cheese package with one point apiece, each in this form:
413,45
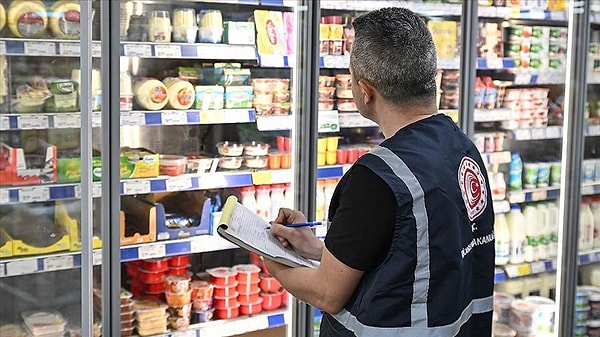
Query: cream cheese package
65,20
27,18
150,93
209,97
180,93
239,97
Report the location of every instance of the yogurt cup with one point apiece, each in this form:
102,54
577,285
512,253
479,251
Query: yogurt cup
523,315
502,304
544,313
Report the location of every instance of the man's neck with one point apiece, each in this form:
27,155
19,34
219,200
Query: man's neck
392,119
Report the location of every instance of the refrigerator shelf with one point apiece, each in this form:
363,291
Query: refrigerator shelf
42,193
525,269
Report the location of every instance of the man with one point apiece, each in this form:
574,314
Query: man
410,248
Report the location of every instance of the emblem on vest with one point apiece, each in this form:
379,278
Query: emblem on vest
472,187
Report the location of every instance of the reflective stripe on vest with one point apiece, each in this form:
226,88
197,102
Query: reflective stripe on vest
477,306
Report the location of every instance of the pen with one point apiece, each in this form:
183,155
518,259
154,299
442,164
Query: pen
302,224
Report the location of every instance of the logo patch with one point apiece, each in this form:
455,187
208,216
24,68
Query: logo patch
472,187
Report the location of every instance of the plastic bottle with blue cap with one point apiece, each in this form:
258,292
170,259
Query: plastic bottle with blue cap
517,234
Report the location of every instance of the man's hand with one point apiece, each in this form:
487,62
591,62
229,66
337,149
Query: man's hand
302,240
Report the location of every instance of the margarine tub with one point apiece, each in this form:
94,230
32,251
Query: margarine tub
27,18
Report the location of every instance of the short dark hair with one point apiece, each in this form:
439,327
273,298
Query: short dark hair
393,50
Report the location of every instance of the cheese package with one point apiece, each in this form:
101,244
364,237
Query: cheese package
270,33
180,93
65,20
239,97
150,93
444,37
239,33
2,17
27,18
209,97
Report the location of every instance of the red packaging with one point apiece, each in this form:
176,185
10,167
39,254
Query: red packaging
222,276
183,270
271,301
226,291
225,302
247,273
269,283
228,312
252,307
247,288
201,289
179,261
151,276
161,264
131,269
176,284
153,287
248,298
284,297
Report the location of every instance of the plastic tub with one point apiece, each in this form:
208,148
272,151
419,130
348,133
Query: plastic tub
151,288
180,271
502,303
172,165
201,289
251,308
248,288
248,297
151,331
177,284
222,276
256,162
151,276
228,313
179,299
582,297
503,330
127,324
225,302
582,315
131,269
127,315
179,323
152,322
44,322
230,163
284,297
230,149
346,104
125,307
202,316
269,283
155,265
202,304
180,311
271,301
148,308
254,148
127,332
343,80
179,261
247,273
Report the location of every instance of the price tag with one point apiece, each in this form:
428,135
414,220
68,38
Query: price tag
237,116
254,324
2,48
32,121
272,123
538,133
97,189
521,79
136,187
69,49
4,197
448,63
152,250
21,267
328,121
4,123
538,267
168,51
593,130
67,120
179,183
539,195
516,197
2,270
97,257
496,63
270,60
212,116
330,61
96,49
558,16
553,132
281,176
587,189
187,333
515,12
174,117
58,262
139,50
133,119
34,194
500,157
40,48
77,189
522,134
261,178
96,119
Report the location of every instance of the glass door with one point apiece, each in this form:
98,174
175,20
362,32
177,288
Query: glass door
48,220
206,105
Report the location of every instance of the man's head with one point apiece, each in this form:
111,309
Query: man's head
393,52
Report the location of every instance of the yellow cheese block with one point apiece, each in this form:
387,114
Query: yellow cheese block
181,93
150,94
2,17
27,18
64,21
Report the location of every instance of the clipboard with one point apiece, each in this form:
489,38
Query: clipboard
247,230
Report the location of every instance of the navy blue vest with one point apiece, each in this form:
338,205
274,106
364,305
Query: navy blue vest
437,279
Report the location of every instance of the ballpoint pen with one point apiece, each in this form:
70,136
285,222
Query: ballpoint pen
302,224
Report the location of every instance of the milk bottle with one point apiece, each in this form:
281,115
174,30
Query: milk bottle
595,206
586,226
531,233
553,228
543,231
516,223
502,241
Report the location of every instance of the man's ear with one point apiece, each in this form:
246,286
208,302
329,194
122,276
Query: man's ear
368,90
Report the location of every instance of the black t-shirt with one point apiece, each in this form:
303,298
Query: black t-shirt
363,223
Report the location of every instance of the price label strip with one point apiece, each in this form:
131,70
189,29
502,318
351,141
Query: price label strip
4,123
32,122
136,187
539,195
2,47
40,48
69,49
67,120
96,119
212,116
97,257
58,263
174,117
2,269
523,134
149,251
187,333
178,183
262,178
96,49
538,267
97,189
4,197
139,50
34,194
21,267
133,119
167,51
